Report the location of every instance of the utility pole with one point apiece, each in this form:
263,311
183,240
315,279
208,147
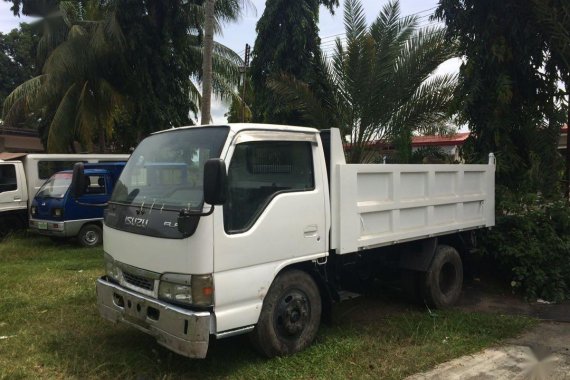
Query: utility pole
246,60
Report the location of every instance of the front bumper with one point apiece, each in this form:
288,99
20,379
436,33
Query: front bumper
49,227
183,331
59,228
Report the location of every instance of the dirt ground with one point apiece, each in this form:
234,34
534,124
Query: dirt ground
479,297
541,353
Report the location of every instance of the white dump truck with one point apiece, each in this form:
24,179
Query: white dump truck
21,176
214,231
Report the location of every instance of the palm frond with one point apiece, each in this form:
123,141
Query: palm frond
70,12
417,60
54,33
26,93
354,20
86,122
427,106
223,88
298,95
225,64
61,129
108,36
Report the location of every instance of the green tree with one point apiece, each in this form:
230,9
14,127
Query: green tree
287,42
77,82
164,54
553,17
153,69
17,58
381,82
508,91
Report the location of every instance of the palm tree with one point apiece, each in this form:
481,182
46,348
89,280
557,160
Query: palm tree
216,12
82,86
381,80
76,87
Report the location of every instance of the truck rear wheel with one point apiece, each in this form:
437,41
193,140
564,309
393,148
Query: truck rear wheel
290,316
90,235
441,284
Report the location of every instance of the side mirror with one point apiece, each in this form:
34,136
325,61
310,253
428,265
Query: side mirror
78,180
215,181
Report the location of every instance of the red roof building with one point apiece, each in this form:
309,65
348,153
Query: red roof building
450,145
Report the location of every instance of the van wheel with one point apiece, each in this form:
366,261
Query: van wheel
441,284
290,316
90,235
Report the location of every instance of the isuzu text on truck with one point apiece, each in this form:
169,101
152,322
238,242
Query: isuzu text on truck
246,228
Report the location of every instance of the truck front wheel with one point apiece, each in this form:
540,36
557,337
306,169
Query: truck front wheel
290,315
443,281
90,235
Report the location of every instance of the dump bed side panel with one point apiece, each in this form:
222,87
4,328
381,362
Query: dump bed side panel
387,204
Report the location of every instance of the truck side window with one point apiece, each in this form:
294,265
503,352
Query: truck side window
8,180
94,184
261,170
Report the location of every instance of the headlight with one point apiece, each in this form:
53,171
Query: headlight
57,212
196,290
33,210
111,269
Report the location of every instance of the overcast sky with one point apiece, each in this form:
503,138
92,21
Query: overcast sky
236,35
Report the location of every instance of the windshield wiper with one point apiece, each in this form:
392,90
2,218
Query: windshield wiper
181,210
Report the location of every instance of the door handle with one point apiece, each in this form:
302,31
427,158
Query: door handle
17,198
311,231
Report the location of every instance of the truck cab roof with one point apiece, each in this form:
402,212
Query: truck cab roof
238,127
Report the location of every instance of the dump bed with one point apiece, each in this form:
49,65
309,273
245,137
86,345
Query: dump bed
376,205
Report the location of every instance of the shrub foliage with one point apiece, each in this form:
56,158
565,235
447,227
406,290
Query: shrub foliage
531,241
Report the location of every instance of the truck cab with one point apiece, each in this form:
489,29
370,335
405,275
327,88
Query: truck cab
57,213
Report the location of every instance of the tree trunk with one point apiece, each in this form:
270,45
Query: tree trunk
207,61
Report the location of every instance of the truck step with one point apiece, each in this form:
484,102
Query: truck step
348,295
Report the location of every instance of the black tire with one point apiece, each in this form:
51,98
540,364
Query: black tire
90,235
441,285
290,315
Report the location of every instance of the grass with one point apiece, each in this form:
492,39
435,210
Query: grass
50,328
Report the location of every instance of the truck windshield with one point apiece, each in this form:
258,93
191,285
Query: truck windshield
56,186
166,170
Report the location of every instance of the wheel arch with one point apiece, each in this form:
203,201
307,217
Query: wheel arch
236,306
418,255
289,321
315,271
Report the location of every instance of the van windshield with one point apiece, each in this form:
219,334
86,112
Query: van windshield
166,170
56,186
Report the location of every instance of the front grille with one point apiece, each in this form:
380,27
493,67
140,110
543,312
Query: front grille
139,281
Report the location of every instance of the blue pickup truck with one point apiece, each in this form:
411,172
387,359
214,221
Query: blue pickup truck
55,212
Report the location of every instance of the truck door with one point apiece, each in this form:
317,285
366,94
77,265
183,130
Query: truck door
274,214
13,199
11,189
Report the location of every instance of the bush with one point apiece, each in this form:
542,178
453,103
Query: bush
531,241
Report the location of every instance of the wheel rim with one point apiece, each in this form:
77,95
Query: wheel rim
292,314
447,278
90,237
